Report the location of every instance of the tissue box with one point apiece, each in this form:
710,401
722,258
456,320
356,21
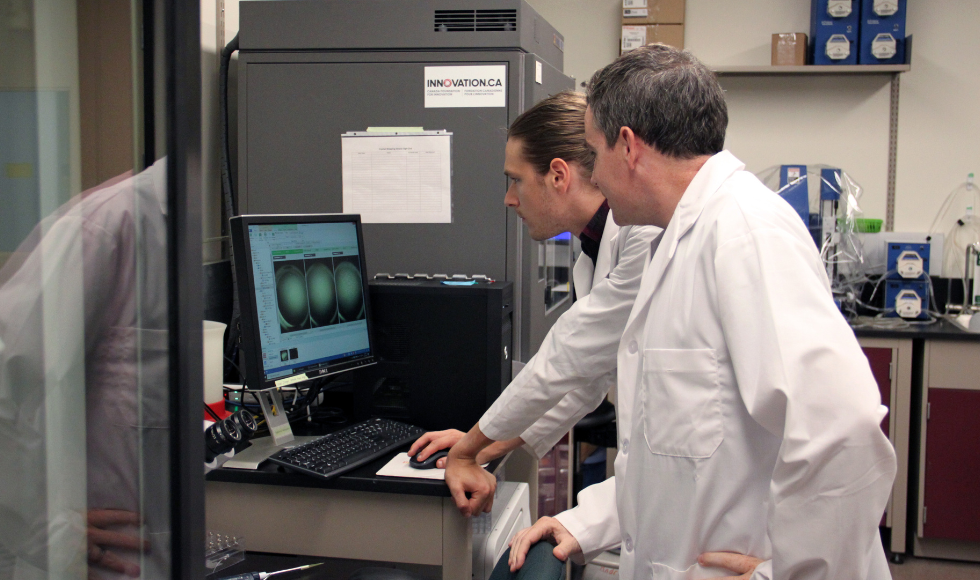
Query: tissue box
789,49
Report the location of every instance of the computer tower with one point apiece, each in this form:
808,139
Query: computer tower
443,352
310,71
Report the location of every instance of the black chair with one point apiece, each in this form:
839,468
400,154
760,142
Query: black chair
597,428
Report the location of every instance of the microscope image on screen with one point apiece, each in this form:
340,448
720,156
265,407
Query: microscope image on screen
350,292
292,296
313,293
322,290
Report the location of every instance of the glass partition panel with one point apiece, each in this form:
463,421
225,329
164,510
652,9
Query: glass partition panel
86,422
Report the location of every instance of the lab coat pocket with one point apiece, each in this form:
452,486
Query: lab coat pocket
680,402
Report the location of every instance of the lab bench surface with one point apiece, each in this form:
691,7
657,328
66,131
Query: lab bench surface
360,479
941,330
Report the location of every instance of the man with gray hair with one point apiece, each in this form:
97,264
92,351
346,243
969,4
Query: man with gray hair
748,418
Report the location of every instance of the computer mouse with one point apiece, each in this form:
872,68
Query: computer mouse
430,461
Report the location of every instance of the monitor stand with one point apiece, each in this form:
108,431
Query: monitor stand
276,418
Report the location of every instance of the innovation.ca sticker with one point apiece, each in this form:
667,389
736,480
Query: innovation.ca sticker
465,86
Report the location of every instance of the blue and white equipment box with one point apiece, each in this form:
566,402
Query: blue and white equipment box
834,31
882,32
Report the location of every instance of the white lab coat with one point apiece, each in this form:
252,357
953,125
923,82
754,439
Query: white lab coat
748,415
578,356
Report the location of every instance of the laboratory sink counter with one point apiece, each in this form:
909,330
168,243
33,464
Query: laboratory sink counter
355,516
941,330
927,376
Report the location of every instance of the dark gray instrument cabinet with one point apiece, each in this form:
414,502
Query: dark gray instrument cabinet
312,70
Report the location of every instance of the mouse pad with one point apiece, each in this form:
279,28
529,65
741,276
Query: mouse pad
399,467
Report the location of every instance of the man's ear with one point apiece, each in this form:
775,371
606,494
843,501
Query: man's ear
631,146
560,175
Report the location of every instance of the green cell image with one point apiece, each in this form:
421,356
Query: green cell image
350,298
322,292
294,309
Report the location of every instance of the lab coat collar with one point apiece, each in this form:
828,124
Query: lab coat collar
702,188
708,180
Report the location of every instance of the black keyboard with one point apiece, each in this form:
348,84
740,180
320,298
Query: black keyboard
344,450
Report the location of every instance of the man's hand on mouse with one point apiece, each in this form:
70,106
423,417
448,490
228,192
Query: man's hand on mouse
430,462
434,441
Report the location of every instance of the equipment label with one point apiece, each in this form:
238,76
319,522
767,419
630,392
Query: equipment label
634,37
465,86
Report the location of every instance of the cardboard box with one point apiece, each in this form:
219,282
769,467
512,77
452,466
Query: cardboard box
834,31
637,36
653,12
789,49
882,32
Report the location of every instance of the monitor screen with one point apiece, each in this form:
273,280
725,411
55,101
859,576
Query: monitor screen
303,296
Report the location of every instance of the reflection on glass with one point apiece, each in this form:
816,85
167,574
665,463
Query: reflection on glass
84,381
555,268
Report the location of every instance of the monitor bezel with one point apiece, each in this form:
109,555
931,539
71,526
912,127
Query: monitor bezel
248,338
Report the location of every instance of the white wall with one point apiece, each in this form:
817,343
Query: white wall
591,31
939,115
838,120
211,216
213,41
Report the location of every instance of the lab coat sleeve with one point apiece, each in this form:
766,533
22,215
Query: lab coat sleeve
594,522
577,355
803,377
560,419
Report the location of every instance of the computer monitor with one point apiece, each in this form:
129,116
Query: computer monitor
302,288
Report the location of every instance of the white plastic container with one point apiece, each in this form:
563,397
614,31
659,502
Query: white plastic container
214,333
